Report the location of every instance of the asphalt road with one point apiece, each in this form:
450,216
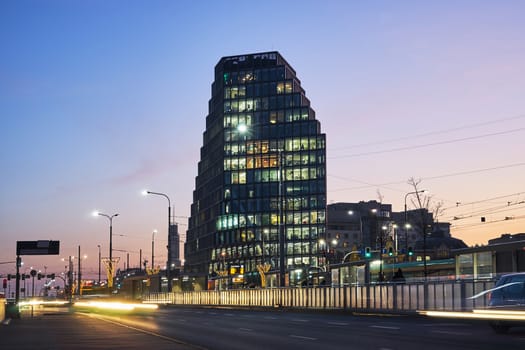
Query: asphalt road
198,328
246,329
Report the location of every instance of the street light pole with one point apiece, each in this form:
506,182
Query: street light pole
99,258
79,275
153,249
168,265
381,245
282,260
110,264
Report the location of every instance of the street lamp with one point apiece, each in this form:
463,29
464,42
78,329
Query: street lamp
351,213
168,267
79,274
334,243
381,245
281,224
322,247
110,264
153,249
99,258
407,225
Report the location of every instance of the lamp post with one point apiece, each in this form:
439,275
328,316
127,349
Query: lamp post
381,245
153,249
168,265
33,274
110,264
406,218
281,224
24,278
322,246
99,258
351,213
79,275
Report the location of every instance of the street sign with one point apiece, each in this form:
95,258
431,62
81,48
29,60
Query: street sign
37,247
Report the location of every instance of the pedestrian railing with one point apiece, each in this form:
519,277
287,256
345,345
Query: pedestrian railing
386,297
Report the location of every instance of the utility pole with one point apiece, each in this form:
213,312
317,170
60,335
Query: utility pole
79,274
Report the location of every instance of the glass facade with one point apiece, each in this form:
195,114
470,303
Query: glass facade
261,186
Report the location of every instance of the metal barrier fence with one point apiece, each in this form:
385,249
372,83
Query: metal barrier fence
447,296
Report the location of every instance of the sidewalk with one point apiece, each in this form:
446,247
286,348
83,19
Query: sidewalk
60,329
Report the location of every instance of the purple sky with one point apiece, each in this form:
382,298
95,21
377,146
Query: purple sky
102,99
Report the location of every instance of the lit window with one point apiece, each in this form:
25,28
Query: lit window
242,177
280,88
288,87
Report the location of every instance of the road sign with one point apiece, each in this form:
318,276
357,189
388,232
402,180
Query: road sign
37,247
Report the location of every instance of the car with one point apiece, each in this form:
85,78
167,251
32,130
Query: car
508,295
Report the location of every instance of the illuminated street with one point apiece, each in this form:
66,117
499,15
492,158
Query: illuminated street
187,328
237,329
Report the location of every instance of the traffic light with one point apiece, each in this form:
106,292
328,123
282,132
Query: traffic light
390,251
368,253
9,277
410,251
4,284
39,276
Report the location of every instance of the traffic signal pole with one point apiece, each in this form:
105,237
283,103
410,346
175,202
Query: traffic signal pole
17,285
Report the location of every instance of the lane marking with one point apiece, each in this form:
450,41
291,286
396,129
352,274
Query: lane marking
301,337
246,329
451,333
447,325
299,320
338,323
270,318
385,327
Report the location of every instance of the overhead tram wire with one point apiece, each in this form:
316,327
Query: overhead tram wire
467,172
469,226
487,211
408,148
486,200
482,211
437,132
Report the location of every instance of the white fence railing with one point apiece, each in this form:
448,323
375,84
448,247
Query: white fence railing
449,296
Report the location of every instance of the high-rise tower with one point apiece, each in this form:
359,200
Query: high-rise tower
260,193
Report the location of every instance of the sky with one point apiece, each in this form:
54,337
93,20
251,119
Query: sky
100,100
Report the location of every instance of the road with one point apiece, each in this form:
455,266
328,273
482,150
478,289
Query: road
246,329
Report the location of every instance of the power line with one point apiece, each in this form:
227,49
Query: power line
468,226
487,200
493,210
467,172
474,171
411,137
405,148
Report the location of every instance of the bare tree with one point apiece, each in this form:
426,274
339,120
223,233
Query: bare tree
425,202
437,210
422,202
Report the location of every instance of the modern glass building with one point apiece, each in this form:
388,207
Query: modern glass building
259,202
